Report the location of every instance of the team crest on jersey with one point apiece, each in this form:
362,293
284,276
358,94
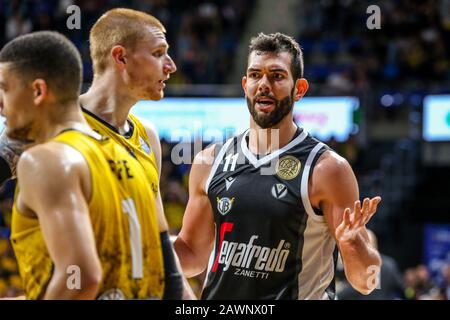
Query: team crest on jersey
279,191
144,146
224,205
288,167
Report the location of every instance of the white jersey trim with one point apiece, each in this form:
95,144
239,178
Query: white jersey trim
216,163
257,163
317,262
305,180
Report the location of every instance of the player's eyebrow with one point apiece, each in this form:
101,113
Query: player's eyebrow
271,70
162,46
278,70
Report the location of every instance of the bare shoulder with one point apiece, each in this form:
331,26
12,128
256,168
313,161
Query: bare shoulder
153,137
201,168
150,128
50,163
332,178
330,164
51,155
50,171
206,156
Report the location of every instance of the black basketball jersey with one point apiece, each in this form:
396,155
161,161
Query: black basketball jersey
270,243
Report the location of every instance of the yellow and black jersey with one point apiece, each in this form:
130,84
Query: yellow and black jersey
136,141
126,231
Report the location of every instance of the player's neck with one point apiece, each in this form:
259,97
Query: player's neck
107,100
71,118
265,141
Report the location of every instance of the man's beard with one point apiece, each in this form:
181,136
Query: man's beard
268,120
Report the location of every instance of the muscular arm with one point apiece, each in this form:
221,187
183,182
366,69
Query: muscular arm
171,262
196,239
156,147
53,187
333,188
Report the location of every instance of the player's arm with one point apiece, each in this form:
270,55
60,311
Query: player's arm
196,238
53,185
333,188
155,144
176,286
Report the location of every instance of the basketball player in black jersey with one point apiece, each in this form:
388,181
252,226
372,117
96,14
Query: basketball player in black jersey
270,212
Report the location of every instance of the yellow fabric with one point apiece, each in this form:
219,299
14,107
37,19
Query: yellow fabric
118,183
137,143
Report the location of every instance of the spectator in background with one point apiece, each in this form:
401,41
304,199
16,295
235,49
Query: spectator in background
10,282
391,283
446,285
420,285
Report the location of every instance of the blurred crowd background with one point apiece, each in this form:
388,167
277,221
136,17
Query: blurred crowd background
390,70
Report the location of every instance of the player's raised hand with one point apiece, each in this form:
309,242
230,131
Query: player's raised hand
352,222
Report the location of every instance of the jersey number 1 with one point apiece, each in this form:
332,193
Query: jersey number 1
135,237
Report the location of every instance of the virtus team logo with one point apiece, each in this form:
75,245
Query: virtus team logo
279,191
288,167
224,205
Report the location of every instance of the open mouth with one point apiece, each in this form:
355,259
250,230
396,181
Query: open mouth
162,83
265,103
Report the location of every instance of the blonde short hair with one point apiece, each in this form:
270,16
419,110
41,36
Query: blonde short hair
118,27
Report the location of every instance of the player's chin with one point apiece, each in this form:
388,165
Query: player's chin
154,96
158,95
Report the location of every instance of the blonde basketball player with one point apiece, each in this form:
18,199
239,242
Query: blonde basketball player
83,207
130,56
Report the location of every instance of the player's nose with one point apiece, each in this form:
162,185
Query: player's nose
169,66
264,84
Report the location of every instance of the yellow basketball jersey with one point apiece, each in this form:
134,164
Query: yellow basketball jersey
136,142
126,232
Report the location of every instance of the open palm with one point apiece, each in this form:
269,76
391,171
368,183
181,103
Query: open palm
352,222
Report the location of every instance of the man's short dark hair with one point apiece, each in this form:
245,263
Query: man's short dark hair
48,55
279,42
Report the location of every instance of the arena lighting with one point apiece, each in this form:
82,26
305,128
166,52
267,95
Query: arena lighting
436,118
387,100
213,119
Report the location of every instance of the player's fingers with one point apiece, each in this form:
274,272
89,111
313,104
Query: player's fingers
373,210
356,212
364,211
360,218
369,217
346,217
374,203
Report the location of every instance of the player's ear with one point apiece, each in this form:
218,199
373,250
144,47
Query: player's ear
119,56
40,91
244,84
301,86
